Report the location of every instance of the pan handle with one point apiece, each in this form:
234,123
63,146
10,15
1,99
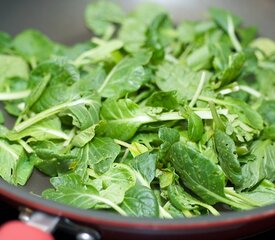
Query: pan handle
21,231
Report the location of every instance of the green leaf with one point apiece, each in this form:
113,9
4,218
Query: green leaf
267,111
154,39
195,171
33,45
172,77
5,41
115,113
102,153
127,76
166,100
79,197
168,136
84,136
186,32
228,158
140,201
101,16
49,159
266,81
16,168
115,182
47,80
12,66
265,45
220,16
145,164
232,71
244,112
49,128
263,165
91,102
184,201
70,180
261,194
195,126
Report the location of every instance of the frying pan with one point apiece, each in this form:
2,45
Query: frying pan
62,21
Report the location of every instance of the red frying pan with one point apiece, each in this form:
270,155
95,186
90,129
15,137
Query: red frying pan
63,21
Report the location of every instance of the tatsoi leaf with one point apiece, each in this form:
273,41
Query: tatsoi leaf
262,167
49,159
85,136
102,153
247,35
195,127
245,112
140,201
115,113
146,12
265,45
88,100
166,177
186,32
132,33
166,100
267,111
101,16
266,81
184,201
70,180
85,198
145,164
115,182
44,130
33,45
154,41
262,194
127,76
5,41
168,136
84,116
200,58
2,118
180,199
16,168
220,16
59,69
194,170
221,51
174,77
47,80
133,29
98,53
231,72
228,158
12,66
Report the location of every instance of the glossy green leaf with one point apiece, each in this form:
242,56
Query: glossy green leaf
140,201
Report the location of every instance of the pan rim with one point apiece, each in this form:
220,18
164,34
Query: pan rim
25,199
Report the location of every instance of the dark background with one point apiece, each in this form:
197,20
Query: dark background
62,21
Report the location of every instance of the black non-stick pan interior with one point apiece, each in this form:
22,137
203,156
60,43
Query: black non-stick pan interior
63,21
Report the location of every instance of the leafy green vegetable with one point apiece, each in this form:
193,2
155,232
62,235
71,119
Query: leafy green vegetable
228,158
140,201
16,167
33,46
101,17
147,118
12,66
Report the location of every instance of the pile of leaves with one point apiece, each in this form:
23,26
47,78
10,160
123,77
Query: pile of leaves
148,118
